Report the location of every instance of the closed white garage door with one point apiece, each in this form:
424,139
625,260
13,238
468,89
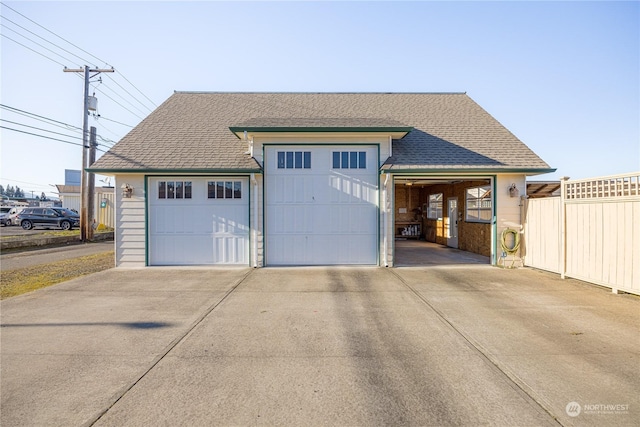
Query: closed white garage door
198,221
321,205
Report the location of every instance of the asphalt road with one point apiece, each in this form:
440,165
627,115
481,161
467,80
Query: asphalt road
23,259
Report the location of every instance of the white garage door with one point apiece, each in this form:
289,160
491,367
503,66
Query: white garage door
198,221
321,205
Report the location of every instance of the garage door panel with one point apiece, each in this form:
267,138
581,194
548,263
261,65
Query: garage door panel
229,250
176,250
325,215
327,257
199,230
224,220
361,218
277,219
169,220
350,219
351,190
294,248
292,189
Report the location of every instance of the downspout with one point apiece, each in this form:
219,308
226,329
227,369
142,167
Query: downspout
254,233
386,221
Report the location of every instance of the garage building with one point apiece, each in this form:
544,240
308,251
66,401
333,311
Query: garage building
268,179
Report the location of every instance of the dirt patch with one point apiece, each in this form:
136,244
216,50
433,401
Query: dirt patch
22,280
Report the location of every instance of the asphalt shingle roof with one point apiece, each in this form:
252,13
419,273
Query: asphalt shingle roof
190,131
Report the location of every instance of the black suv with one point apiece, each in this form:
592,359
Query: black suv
48,217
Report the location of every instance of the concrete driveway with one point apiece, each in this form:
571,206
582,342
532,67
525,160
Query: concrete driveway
455,345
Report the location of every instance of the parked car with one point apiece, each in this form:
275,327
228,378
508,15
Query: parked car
48,217
67,212
11,214
4,219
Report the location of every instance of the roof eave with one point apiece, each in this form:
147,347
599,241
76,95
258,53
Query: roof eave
397,132
488,170
173,171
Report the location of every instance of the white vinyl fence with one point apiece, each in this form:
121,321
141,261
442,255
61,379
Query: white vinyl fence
591,232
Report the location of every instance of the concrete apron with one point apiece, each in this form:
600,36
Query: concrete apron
302,346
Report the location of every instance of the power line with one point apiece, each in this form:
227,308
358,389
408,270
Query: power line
37,128
35,42
121,97
57,62
25,182
67,127
101,117
41,136
51,32
102,92
109,141
55,123
106,142
140,102
36,115
61,125
127,80
25,46
47,137
40,37
79,57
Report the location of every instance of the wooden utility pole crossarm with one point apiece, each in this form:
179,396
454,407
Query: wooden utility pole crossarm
86,232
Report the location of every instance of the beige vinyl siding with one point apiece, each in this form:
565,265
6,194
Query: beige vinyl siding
130,233
508,210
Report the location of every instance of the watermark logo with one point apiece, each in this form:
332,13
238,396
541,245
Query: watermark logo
573,409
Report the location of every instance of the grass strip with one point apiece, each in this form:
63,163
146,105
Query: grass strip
22,280
48,233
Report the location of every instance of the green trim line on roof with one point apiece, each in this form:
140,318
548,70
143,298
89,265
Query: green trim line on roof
385,129
175,171
422,171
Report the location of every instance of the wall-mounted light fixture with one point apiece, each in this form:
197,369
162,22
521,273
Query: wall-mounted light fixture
513,190
127,190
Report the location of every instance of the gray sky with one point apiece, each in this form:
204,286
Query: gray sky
562,76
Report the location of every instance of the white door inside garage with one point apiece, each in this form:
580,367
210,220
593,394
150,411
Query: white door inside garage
321,205
198,221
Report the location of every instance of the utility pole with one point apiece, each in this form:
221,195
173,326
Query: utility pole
91,202
84,176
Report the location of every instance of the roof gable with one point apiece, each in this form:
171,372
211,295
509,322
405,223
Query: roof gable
191,131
